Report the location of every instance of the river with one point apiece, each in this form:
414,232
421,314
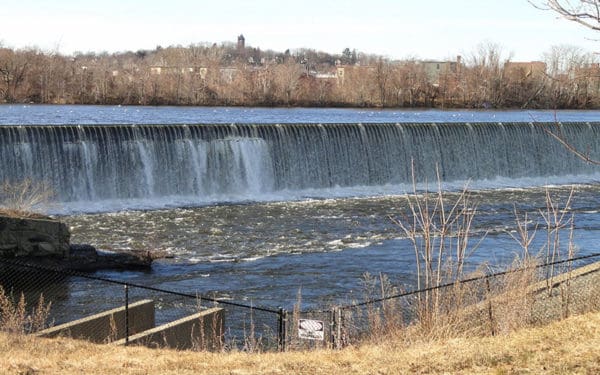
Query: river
267,246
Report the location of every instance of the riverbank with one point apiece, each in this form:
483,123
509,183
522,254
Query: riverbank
568,346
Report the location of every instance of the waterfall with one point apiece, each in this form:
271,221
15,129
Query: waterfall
104,162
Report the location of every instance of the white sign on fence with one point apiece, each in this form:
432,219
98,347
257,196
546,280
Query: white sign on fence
311,329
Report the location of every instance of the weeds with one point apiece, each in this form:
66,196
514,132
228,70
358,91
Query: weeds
438,225
386,317
510,300
556,219
14,317
439,230
25,198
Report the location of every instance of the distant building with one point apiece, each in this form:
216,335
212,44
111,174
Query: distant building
588,75
434,69
159,69
519,70
340,72
325,75
241,43
335,75
228,74
202,72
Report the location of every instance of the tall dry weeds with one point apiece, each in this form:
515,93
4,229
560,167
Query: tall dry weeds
25,198
557,219
438,225
14,317
510,300
385,319
558,222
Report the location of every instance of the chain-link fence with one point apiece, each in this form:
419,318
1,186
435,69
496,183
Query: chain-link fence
35,297
68,296
483,305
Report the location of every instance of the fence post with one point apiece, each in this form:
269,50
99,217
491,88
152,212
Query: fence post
490,311
282,329
126,315
336,327
332,328
339,328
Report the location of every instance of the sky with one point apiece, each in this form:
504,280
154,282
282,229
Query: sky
434,29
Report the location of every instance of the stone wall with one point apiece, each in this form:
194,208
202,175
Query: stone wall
26,237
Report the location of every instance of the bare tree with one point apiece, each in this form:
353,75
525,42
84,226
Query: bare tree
287,76
383,73
485,80
570,76
13,69
586,13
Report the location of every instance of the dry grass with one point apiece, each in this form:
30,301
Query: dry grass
472,309
438,225
448,333
569,346
16,318
25,198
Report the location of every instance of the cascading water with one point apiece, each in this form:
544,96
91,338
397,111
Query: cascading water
244,161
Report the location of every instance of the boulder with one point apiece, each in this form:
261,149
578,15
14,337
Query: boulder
33,237
87,258
46,242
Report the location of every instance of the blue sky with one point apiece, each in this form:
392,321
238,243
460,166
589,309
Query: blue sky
434,29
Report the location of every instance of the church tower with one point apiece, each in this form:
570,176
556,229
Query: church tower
241,44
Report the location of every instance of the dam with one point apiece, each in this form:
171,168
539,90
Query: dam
88,163
219,193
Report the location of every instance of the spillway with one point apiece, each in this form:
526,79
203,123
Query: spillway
104,162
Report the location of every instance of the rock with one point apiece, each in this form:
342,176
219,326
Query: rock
44,249
82,257
86,258
126,259
33,237
46,242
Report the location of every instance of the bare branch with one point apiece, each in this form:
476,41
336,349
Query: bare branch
584,12
585,156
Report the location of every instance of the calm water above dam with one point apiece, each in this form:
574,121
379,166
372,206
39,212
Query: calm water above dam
259,211
92,115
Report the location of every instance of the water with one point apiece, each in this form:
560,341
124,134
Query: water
294,228
110,167
90,115
267,252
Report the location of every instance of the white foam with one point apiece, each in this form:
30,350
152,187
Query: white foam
310,195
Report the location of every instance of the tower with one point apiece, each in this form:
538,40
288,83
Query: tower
241,44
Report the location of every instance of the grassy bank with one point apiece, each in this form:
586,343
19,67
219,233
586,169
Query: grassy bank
568,346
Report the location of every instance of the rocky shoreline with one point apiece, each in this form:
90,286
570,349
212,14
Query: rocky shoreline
87,258
46,242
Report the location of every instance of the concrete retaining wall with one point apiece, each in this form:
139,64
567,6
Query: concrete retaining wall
571,293
107,326
574,292
200,331
562,278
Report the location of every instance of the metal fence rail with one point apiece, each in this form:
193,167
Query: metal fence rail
75,295
552,290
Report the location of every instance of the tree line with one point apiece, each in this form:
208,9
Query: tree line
214,75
